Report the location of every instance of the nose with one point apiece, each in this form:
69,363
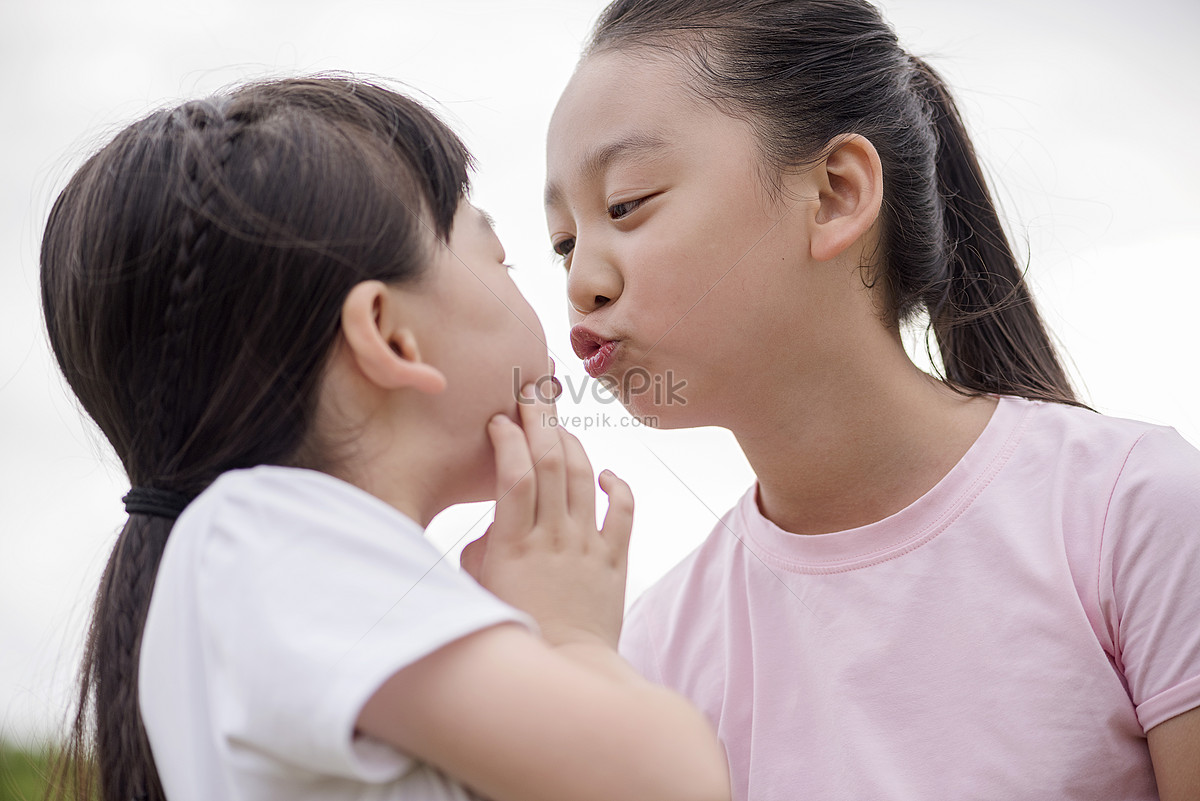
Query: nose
593,282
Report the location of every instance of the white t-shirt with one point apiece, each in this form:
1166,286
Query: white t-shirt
284,599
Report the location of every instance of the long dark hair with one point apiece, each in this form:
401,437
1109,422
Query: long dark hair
193,273
804,72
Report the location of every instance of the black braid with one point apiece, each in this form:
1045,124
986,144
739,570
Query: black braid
208,143
121,610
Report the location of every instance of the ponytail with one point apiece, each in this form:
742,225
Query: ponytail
809,71
989,332
193,275
108,681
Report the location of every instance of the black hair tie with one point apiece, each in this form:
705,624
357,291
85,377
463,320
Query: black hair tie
155,502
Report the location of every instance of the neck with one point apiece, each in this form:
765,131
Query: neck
859,446
385,443
370,464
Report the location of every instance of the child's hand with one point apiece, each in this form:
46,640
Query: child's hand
543,554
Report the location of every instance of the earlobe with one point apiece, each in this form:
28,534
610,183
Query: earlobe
850,189
383,347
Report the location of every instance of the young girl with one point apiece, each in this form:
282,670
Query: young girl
971,587
298,336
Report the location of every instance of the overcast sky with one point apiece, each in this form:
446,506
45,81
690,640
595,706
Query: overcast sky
1086,112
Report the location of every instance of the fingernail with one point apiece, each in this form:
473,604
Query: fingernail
527,391
497,419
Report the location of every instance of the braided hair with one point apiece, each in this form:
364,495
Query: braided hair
192,274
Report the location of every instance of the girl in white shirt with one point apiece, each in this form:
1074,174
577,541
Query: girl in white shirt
299,338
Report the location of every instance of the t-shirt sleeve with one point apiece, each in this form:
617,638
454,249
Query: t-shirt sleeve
311,597
1150,575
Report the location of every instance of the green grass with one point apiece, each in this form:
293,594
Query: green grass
22,773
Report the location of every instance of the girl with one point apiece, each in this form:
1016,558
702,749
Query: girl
971,587
298,336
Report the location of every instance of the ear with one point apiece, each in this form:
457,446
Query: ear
383,346
849,183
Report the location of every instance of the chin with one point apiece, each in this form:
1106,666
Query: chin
660,399
663,416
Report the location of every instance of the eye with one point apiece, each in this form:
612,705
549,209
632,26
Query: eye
563,247
619,210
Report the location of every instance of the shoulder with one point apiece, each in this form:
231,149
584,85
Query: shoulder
1084,430
1085,449
1113,478
261,511
1155,496
1164,464
285,599
1145,564
270,493
687,594
274,543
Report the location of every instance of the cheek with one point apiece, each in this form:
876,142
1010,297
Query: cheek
526,337
705,234
513,347
667,265
684,286
528,322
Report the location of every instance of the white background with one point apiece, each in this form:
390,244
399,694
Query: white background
1086,112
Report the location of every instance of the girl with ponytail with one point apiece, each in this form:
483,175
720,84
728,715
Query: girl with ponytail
299,337
966,585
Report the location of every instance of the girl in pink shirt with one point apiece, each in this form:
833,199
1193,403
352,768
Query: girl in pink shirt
968,586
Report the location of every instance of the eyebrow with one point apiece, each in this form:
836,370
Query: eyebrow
488,219
637,145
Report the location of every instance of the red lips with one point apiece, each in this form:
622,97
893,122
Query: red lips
596,351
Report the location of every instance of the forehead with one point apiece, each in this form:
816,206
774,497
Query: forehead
472,229
618,103
616,84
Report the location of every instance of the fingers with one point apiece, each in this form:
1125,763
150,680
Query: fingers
618,521
549,456
516,483
544,480
581,489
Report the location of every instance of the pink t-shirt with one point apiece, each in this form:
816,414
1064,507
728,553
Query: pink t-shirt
1011,634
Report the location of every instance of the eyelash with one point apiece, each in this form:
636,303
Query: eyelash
616,211
632,204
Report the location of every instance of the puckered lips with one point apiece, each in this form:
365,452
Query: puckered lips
597,352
